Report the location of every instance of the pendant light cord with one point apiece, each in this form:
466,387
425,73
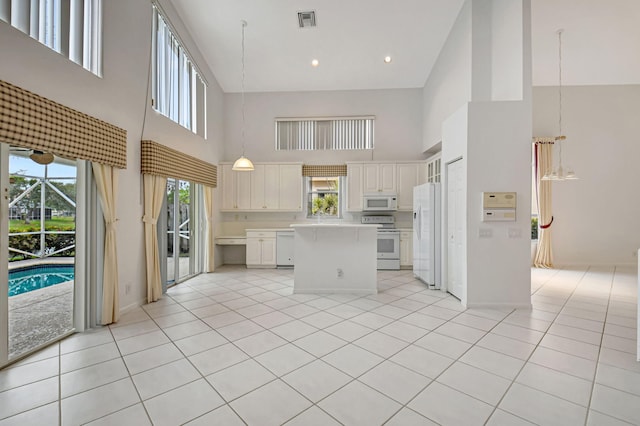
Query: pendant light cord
244,24
560,98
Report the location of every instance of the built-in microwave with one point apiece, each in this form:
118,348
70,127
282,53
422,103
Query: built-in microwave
380,202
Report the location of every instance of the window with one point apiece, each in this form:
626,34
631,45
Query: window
70,27
324,134
179,92
324,196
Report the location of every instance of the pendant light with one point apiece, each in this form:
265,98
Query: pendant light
40,157
559,173
243,164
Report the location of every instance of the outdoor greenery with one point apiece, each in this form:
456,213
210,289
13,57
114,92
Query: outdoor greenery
327,205
31,244
534,228
323,196
27,192
54,201
66,223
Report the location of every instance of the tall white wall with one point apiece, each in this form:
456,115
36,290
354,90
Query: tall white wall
449,85
493,138
596,218
498,159
120,98
507,51
398,131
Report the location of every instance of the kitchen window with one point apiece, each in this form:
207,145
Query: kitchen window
324,196
71,28
315,134
179,92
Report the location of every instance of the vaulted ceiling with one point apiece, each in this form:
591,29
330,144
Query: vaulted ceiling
601,41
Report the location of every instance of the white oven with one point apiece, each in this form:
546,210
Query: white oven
388,242
388,249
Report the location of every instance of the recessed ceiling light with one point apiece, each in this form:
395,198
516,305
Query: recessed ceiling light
315,63
387,59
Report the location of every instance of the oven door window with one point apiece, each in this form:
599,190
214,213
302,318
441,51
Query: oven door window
386,247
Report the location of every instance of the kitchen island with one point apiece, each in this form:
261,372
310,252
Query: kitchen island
335,258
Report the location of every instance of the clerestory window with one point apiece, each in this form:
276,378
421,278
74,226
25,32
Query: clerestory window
72,28
179,91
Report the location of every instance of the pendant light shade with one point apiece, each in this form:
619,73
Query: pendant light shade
40,157
243,164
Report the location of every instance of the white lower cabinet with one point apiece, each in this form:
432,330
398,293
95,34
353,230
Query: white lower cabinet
406,248
261,249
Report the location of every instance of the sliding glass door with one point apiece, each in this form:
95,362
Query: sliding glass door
181,238
37,251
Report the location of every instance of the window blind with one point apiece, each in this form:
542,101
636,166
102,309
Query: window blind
72,28
343,133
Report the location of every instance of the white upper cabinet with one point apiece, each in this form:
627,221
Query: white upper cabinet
354,187
270,187
367,178
236,189
408,176
265,182
379,177
290,187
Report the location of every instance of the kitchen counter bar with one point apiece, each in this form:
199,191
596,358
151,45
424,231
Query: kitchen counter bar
335,258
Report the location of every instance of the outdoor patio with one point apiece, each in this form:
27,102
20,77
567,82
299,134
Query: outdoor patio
39,316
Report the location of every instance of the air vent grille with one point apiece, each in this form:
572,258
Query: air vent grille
307,19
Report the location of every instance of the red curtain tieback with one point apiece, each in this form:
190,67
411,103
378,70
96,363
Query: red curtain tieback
547,225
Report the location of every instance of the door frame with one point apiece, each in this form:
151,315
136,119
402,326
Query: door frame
4,254
445,243
89,241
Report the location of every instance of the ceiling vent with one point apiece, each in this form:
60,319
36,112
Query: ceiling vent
307,19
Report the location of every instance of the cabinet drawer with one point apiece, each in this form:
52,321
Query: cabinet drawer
231,241
260,234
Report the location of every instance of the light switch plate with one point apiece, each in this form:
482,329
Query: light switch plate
514,232
485,233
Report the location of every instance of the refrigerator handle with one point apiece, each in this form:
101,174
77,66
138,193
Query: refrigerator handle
417,221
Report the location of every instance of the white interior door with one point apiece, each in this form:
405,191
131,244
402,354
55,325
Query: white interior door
455,228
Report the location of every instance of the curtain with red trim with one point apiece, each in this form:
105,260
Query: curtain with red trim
543,163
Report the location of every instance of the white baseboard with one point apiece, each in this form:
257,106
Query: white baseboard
132,306
499,305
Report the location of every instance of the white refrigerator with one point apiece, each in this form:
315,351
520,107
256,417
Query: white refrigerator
426,234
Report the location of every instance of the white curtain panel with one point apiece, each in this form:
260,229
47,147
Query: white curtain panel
107,182
210,240
155,188
544,254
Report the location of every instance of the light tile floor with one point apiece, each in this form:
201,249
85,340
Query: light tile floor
237,347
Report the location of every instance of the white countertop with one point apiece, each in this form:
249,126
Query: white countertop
268,229
333,225
308,225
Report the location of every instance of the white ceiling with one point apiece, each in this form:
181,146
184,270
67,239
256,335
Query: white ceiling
601,42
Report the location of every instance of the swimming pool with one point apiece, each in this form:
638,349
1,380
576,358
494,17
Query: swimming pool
31,278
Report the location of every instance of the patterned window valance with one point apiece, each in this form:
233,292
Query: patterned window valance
324,170
32,121
159,160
